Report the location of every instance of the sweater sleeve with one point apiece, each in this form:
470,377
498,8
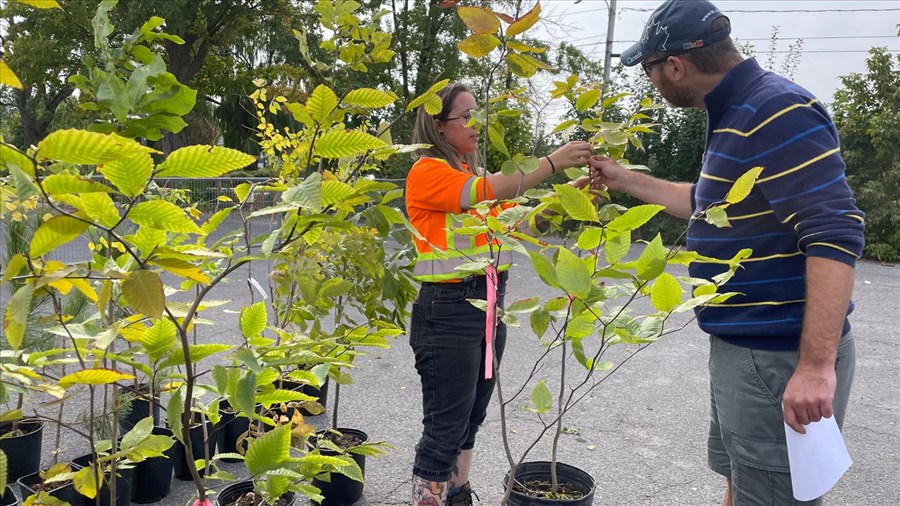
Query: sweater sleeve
434,185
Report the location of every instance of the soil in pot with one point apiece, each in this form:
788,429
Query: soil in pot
532,486
182,470
241,494
153,476
21,442
341,490
124,481
63,490
9,497
141,406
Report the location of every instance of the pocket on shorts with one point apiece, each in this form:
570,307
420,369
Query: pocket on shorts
768,454
772,378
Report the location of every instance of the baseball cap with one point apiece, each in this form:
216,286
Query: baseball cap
677,26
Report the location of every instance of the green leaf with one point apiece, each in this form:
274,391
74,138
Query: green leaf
130,174
253,319
524,48
479,20
540,320
576,203
590,238
635,217
16,316
55,232
174,411
100,208
478,45
203,161
87,148
340,143
520,66
93,377
524,305
138,433
573,275
541,398
56,184
564,125
334,192
436,87
198,352
25,188
278,396
159,339
163,215
245,394
246,357
307,194
525,22
717,216
144,292
587,100
743,186
351,470
369,98
617,246
215,220
4,471
652,261
665,293
543,268
269,451
321,103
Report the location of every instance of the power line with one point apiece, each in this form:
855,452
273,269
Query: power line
824,37
747,11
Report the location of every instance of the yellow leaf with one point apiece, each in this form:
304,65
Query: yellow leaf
182,268
144,292
93,377
478,45
743,186
85,287
8,77
42,4
479,20
63,285
525,22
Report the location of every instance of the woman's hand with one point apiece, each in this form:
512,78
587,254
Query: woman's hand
573,154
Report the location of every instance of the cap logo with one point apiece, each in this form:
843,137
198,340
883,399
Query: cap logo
692,45
659,29
708,14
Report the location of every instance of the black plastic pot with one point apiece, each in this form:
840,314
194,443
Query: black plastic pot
153,476
230,429
321,394
541,471
65,493
23,453
9,497
141,406
341,490
182,470
234,491
123,484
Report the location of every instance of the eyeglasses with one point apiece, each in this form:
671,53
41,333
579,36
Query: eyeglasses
647,65
465,117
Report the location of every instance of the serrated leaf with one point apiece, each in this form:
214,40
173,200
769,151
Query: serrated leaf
174,412
84,482
159,339
56,184
16,315
198,352
245,394
89,148
524,305
340,143
93,377
163,215
100,208
369,98
520,65
479,20
717,216
635,217
743,186
215,220
576,203
564,125
478,45
11,157
321,103
129,174
254,319
587,100
42,4
540,320
138,433
652,261
665,293
144,292
13,267
525,48
541,398
573,275
543,268
525,22
334,192
55,232
203,161
617,246
181,268
590,238
8,77
269,451
278,396
436,87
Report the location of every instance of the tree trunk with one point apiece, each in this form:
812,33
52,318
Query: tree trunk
37,113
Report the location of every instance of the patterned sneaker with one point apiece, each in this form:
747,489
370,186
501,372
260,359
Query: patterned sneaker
463,497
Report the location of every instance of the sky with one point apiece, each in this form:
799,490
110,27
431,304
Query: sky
835,40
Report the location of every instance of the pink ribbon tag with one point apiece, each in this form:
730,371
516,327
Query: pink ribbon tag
204,502
490,320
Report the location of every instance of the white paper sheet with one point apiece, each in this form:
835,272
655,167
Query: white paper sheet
818,458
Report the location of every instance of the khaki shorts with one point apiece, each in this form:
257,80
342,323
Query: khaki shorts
746,431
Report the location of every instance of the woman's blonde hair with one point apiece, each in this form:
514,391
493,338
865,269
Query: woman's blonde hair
426,133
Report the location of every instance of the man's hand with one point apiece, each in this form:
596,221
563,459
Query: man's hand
608,172
808,396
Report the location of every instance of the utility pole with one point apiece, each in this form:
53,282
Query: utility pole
610,28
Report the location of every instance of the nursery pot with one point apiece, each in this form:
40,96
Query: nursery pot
341,490
141,406
230,429
123,484
234,491
23,452
321,393
153,476
182,470
9,497
65,492
565,473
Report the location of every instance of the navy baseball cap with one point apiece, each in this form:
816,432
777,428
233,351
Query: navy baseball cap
677,26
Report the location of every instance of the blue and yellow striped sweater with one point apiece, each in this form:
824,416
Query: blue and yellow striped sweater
800,206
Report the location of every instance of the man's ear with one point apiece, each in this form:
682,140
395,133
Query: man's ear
680,67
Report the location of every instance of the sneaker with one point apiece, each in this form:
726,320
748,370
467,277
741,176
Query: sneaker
463,497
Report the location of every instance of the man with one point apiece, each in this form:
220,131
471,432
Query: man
781,350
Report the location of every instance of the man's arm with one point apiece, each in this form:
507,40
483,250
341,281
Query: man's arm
810,391
676,197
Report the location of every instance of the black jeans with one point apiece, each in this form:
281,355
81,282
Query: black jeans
447,337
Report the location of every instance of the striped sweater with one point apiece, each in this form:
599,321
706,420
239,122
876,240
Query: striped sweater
800,206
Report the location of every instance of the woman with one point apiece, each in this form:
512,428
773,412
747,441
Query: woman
447,333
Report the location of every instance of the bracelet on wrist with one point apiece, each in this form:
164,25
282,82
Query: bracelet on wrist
552,167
